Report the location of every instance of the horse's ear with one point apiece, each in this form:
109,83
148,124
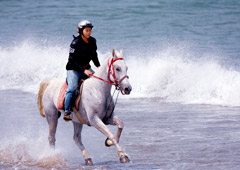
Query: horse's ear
114,54
121,52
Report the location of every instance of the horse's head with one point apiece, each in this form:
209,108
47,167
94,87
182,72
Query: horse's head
118,72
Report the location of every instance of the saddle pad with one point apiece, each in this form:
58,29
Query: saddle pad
61,97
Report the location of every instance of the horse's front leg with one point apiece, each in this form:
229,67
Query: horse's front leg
115,121
98,124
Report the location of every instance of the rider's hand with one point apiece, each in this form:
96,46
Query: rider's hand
88,72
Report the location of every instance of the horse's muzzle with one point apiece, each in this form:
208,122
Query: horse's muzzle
126,90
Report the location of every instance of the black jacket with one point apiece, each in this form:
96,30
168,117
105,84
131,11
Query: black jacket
81,53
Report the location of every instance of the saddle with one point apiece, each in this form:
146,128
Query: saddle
75,99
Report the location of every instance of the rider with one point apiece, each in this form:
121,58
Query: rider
83,49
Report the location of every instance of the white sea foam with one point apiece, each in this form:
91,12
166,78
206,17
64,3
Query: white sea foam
172,74
25,65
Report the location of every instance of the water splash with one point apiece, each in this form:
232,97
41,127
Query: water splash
25,153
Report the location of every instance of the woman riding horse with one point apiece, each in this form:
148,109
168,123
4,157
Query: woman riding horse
83,49
96,107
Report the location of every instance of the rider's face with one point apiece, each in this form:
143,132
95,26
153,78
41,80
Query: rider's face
87,32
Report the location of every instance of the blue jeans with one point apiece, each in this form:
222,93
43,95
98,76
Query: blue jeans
72,79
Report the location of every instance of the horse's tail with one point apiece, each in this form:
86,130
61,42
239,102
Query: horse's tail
42,88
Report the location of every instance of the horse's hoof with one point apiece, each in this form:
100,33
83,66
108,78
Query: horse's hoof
124,159
108,142
88,161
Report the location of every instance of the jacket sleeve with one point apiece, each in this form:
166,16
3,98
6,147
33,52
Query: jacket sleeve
95,55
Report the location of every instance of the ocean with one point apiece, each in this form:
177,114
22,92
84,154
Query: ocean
183,59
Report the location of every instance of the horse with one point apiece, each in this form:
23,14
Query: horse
95,107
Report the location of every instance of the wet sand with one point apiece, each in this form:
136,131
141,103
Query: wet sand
156,135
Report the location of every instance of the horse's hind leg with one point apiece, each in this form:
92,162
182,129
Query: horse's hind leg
52,119
78,140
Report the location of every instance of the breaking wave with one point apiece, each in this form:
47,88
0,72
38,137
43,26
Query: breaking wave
174,73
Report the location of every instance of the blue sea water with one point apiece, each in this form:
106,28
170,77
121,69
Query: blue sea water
182,55
208,25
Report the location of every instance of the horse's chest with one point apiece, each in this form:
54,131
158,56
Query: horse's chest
103,111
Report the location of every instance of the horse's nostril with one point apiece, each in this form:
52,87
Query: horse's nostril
127,90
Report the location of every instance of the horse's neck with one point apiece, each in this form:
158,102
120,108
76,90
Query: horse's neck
102,72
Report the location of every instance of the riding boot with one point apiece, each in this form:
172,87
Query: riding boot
67,116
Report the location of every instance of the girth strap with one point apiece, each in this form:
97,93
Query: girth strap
76,108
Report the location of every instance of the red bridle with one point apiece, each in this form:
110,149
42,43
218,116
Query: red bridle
110,66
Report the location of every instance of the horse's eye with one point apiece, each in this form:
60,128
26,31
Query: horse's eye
118,69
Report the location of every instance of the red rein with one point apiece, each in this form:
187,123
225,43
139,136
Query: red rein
116,82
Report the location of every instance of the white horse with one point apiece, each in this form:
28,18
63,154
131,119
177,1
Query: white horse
95,107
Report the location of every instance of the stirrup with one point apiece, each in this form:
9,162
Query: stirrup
67,117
